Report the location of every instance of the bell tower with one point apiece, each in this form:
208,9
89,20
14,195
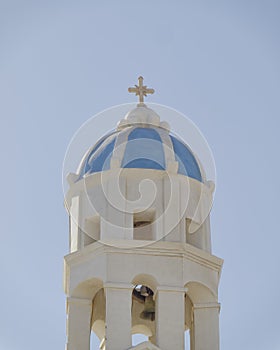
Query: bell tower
140,248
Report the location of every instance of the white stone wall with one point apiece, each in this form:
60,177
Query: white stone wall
104,206
110,255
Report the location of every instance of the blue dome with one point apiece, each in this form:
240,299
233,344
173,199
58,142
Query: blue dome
140,147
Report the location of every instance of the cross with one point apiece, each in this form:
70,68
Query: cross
141,90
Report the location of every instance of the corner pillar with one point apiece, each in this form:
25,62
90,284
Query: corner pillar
118,316
79,313
170,318
204,332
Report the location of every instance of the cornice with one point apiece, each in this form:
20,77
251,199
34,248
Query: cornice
167,249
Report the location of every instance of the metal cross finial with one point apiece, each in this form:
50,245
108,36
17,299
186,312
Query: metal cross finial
141,90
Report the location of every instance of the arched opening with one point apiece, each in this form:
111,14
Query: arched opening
188,321
199,293
90,294
94,341
187,340
140,334
143,303
143,313
197,296
87,289
192,237
98,319
139,338
143,225
92,230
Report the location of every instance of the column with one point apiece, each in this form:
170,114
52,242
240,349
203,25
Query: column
79,313
204,332
118,316
170,318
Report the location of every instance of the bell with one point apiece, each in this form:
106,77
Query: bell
149,309
144,291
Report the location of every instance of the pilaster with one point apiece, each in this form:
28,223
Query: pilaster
118,316
170,318
79,313
204,332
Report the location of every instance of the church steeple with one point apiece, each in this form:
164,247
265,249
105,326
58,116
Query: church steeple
140,259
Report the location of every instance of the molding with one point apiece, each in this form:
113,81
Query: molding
73,300
152,248
78,188
113,285
207,306
172,289
145,346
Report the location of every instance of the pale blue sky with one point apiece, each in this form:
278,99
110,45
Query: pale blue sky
215,61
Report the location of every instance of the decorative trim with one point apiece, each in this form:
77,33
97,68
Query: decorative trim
113,285
145,346
171,289
72,300
180,250
207,306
